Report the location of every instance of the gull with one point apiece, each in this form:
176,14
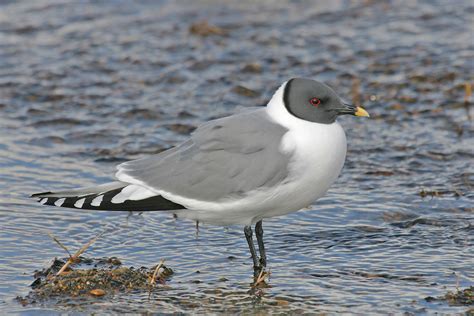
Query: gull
237,170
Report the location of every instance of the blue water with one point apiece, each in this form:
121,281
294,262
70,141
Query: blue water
87,85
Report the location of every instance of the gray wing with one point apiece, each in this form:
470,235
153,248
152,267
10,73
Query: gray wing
227,157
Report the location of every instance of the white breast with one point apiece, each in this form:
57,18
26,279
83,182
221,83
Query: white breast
318,152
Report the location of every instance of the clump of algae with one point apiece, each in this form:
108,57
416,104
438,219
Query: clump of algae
460,297
81,276
105,276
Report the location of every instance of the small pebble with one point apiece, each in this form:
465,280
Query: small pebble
97,292
203,28
252,67
282,302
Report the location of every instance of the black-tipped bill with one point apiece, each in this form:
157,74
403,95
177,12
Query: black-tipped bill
352,110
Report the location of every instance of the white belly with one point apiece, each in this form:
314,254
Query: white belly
318,154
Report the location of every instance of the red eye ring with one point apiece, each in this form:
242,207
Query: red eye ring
314,101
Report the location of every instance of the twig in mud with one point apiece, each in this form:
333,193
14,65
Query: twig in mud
78,253
59,243
261,278
155,273
153,277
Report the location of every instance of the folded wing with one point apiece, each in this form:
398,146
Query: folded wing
224,158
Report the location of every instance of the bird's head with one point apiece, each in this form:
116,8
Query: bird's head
314,101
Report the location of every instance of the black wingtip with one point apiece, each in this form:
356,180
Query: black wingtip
40,194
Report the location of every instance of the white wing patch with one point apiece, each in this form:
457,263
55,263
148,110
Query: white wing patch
134,193
79,203
59,202
97,200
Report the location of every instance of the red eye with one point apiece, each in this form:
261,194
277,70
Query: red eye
315,101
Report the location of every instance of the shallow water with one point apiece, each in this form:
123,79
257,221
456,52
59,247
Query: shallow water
84,86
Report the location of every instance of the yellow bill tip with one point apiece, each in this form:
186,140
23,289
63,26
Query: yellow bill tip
361,112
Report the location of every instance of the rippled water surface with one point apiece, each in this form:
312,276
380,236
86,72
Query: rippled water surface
87,85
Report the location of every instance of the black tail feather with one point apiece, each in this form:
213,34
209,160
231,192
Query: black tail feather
154,203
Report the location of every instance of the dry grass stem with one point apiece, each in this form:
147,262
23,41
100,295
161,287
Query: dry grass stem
59,243
78,253
155,273
261,278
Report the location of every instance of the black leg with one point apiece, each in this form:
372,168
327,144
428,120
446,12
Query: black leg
261,246
248,235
